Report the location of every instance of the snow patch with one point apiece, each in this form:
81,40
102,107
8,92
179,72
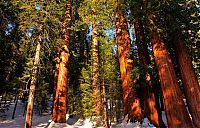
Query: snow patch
71,121
145,124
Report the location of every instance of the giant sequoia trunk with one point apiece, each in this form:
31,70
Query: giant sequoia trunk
54,90
177,115
30,102
189,78
130,99
95,68
151,106
60,101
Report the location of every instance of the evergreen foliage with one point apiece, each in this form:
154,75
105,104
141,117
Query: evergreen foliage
86,93
23,21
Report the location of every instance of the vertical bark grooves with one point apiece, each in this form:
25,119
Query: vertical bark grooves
131,101
177,115
189,78
61,91
60,102
54,91
30,102
151,106
95,67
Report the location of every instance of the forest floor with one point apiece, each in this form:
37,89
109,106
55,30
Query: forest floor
44,121
6,120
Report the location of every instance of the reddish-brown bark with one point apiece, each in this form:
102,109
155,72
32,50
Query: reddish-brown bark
177,115
54,91
131,101
61,90
189,78
60,102
151,107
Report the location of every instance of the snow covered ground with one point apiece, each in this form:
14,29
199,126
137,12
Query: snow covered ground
6,120
87,124
44,121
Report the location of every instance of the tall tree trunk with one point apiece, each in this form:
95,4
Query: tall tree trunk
177,115
151,107
189,78
130,99
118,100
105,106
104,92
54,91
95,68
29,111
16,101
60,102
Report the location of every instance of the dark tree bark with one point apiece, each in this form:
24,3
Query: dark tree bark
118,101
105,106
16,101
60,102
151,106
177,115
189,78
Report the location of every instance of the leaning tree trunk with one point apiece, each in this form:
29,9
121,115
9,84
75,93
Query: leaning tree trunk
189,78
60,102
29,111
95,68
177,115
151,106
16,101
130,99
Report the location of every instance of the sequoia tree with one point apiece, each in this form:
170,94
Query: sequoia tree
177,115
151,105
189,78
60,102
130,99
